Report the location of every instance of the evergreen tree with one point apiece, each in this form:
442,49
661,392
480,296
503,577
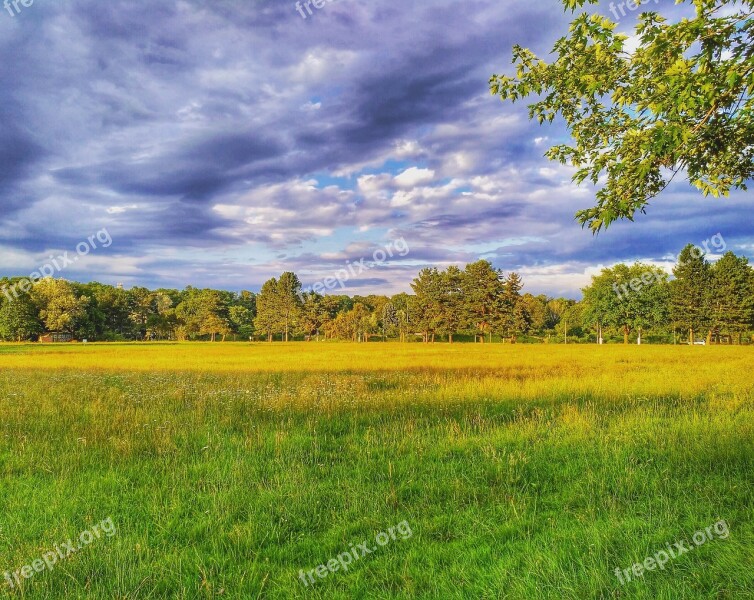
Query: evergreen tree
267,320
451,301
513,317
482,289
732,295
428,287
690,292
288,301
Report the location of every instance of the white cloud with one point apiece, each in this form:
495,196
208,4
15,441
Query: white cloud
414,176
116,210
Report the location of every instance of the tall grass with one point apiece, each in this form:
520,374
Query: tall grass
523,471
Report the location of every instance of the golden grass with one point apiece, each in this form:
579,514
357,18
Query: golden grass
524,471
519,371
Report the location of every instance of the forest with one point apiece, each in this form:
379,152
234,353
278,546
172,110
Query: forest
702,301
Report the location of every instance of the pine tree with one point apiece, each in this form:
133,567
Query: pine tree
452,301
513,317
288,301
732,295
428,287
482,289
689,292
268,317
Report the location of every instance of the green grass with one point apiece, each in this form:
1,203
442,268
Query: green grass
523,472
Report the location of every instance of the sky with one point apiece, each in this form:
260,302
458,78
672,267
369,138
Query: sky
220,143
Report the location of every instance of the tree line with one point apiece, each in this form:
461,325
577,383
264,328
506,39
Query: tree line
476,303
703,300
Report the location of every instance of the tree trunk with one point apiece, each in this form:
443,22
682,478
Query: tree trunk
450,338
626,331
691,336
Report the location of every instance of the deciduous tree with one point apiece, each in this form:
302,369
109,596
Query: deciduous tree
18,319
682,103
627,298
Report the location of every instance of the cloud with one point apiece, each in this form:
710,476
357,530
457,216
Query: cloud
414,176
223,143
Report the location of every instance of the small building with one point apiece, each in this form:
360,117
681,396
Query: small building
55,337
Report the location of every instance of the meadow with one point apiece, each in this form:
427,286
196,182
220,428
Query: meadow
522,471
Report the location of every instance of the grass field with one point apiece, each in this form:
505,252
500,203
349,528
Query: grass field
513,471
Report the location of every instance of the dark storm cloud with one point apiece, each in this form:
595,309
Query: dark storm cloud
197,172
19,154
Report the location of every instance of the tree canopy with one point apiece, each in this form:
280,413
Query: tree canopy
477,302
628,298
681,103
